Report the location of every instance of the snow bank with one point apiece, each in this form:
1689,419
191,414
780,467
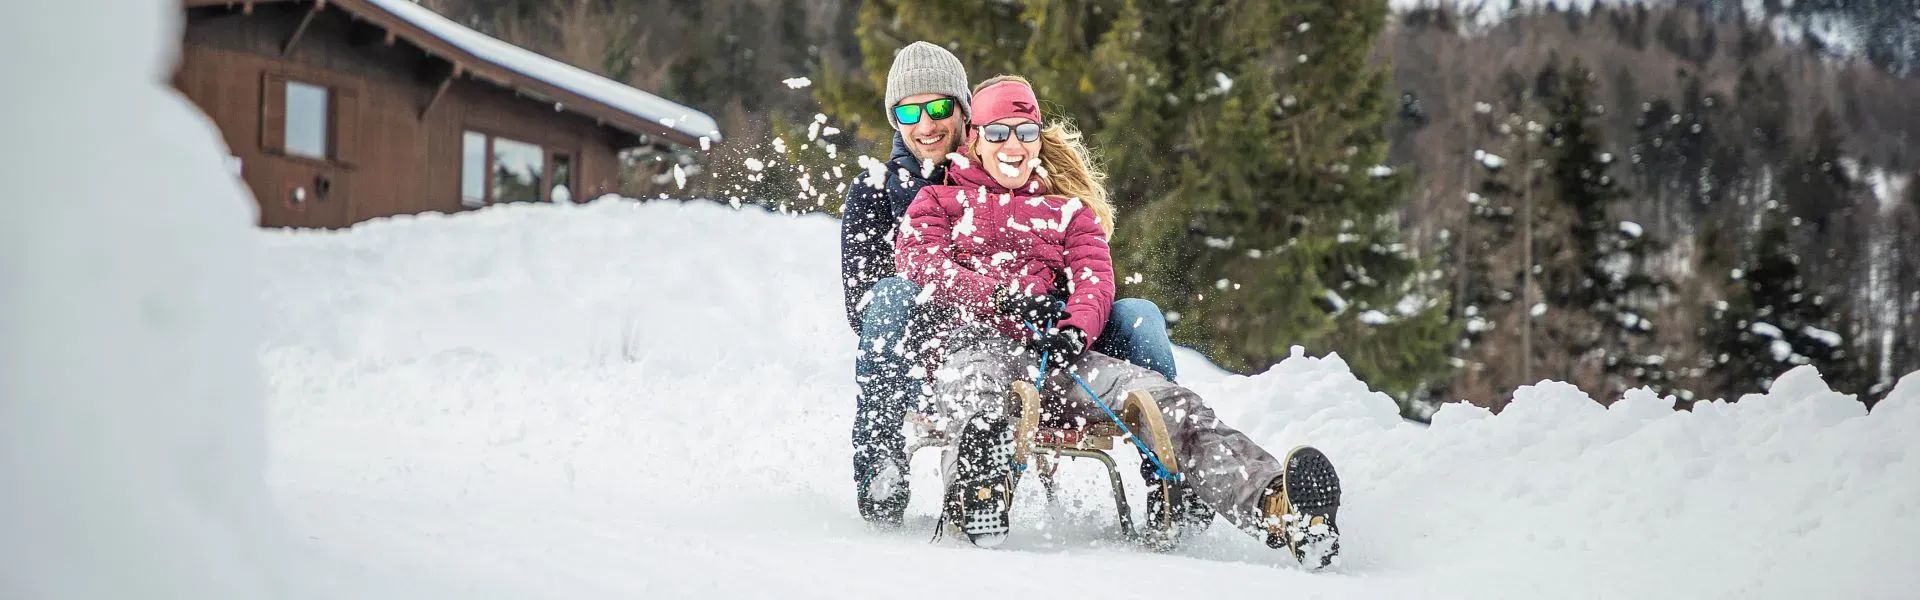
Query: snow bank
132,447
1797,491
622,399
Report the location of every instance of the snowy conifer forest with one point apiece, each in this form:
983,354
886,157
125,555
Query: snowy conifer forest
1709,191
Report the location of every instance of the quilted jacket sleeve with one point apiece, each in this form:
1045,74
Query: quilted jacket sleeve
924,256
1089,270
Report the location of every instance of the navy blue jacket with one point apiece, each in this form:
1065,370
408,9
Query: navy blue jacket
870,219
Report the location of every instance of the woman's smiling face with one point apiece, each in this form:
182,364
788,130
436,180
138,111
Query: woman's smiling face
1009,161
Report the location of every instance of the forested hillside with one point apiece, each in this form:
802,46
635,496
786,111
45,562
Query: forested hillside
1757,195
1686,195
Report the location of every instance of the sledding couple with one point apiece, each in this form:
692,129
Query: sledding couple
985,247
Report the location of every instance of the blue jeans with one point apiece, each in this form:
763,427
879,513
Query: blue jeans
1137,333
893,326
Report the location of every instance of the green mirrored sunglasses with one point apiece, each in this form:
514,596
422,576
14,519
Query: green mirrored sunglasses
938,108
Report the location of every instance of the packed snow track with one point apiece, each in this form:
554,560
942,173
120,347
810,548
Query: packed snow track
627,399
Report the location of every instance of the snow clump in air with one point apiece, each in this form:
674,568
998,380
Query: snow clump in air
1491,160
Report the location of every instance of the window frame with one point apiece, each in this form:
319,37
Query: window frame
547,152
342,116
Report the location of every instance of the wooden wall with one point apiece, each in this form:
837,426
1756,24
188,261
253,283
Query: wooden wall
390,158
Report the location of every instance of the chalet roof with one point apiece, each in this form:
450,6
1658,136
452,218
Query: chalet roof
523,70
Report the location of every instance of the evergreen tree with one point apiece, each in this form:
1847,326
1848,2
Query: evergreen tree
1277,226
1507,208
1771,322
1244,139
1613,281
1816,185
1551,284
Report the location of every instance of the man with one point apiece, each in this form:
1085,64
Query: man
927,101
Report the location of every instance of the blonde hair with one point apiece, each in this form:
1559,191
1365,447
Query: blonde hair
1066,164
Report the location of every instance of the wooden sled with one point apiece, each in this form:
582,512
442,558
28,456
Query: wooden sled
1042,447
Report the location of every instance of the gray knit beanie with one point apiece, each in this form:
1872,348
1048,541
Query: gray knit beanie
923,68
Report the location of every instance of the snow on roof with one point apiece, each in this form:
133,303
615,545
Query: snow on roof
531,64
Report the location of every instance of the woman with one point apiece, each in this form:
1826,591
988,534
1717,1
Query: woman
1021,223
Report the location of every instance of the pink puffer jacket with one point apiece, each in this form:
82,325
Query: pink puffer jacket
972,235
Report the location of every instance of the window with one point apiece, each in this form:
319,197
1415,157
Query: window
306,120
473,169
518,168
495,169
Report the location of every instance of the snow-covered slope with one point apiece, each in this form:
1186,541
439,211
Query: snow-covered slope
629,399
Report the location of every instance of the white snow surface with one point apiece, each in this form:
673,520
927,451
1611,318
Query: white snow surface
629,399
527,62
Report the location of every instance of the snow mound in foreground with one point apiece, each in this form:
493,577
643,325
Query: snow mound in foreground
132,456
623,398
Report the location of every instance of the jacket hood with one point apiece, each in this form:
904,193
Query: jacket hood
903,158
900,150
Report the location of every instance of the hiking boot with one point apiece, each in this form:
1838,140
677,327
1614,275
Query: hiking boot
1300,507
980,498
883,496
1190,518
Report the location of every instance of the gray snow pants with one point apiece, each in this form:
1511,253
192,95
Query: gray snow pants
1223,467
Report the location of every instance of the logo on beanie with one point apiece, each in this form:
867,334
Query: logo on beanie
1022,106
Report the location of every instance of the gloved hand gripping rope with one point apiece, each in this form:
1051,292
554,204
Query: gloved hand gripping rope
1158,467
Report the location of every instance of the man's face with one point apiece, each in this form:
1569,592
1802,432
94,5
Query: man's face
931,139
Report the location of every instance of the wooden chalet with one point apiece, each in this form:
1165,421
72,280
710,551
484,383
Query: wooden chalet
339,111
